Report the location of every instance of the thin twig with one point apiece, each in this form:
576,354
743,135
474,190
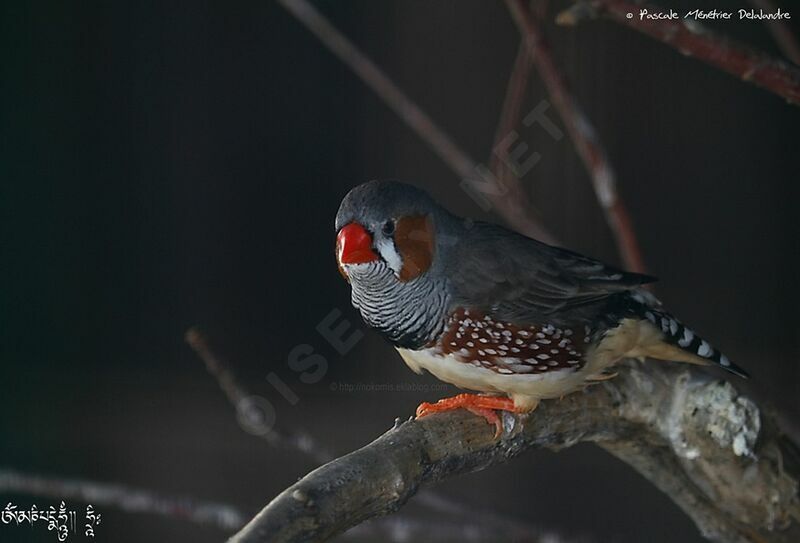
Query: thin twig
247,410
715,453
781,32
510,201
124,498
583,135
509,115
694,40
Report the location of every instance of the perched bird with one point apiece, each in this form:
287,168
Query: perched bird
490,310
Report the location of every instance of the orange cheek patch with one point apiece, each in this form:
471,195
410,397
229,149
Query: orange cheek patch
413,238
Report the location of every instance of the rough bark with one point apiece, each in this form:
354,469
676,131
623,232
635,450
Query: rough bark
719,456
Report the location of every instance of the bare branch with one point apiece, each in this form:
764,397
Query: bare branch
304,443
713,451
510,200
781,33
125,498
694,40
583,135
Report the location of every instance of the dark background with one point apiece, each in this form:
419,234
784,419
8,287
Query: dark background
169,164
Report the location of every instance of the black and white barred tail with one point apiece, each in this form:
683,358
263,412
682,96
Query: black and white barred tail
679,335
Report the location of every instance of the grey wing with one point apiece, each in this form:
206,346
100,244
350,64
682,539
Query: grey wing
523,280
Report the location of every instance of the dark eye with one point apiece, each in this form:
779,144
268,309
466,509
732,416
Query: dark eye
388,228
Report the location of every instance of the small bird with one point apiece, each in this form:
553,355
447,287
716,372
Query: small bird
490,310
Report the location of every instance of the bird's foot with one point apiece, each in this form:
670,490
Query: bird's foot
483,406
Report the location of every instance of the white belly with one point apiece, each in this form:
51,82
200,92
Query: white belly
526,389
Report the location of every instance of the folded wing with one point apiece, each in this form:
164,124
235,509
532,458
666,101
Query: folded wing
519,279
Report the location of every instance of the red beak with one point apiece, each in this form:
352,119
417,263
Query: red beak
354,245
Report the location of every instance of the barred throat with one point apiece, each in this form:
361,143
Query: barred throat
410,314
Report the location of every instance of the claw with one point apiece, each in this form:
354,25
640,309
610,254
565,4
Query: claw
602,377
483,406
491,417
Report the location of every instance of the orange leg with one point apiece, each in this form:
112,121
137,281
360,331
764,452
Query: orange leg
483,406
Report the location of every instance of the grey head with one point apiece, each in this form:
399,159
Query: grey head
374,202
389,249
